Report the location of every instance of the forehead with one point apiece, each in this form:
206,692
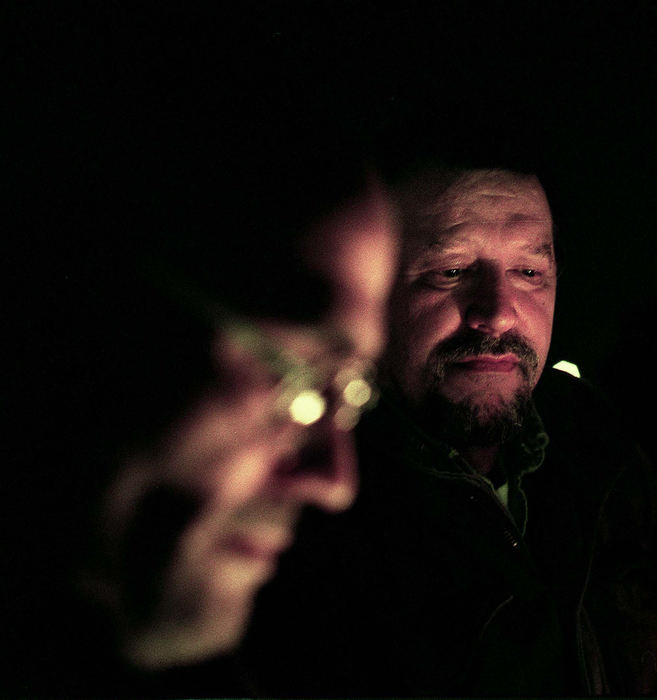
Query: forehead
478,205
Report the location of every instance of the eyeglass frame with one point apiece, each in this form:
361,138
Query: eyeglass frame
351,384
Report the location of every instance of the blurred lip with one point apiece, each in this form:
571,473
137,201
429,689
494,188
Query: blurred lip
488,363
261,546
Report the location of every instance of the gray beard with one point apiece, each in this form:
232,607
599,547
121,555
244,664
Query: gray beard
464,424
469,423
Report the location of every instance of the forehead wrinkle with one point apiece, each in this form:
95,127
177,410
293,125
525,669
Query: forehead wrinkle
454,236
441,244
509,194
463,198
446,220
452,217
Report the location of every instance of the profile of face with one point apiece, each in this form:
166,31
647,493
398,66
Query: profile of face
195,525
472,309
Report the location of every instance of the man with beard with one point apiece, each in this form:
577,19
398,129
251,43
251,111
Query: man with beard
473,307
503,542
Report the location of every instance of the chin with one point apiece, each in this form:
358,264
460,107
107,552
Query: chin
475,421
215,630
229,628
490,408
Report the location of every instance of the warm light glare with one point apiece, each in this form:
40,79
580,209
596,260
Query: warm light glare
307,407
357,393
568,367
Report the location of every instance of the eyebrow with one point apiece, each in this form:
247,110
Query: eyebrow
545,250
442,243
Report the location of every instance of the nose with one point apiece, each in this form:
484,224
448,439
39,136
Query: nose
491,307
323,472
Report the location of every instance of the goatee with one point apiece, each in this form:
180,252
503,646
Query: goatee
472,422
466,424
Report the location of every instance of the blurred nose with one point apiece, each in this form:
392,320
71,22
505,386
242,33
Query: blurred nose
491,305
323,472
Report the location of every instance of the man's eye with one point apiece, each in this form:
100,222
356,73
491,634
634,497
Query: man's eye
440,279
530,274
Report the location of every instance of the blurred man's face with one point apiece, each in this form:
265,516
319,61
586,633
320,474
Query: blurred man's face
232,477
473,308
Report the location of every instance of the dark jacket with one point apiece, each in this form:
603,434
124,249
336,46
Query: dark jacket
430,586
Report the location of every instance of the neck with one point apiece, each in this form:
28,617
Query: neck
482,459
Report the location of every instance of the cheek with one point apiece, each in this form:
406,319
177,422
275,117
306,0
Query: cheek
537,321
240,477
246,473
430,320
419,323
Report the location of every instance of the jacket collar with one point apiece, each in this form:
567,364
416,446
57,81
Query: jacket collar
393,417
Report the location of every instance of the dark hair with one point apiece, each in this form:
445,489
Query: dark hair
238,238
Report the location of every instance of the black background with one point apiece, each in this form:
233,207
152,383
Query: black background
125,117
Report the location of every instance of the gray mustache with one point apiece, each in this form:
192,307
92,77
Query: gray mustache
460,347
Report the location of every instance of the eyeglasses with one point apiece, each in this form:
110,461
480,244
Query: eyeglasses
308,390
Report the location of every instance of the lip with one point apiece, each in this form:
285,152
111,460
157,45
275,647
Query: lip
260,547
502,364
